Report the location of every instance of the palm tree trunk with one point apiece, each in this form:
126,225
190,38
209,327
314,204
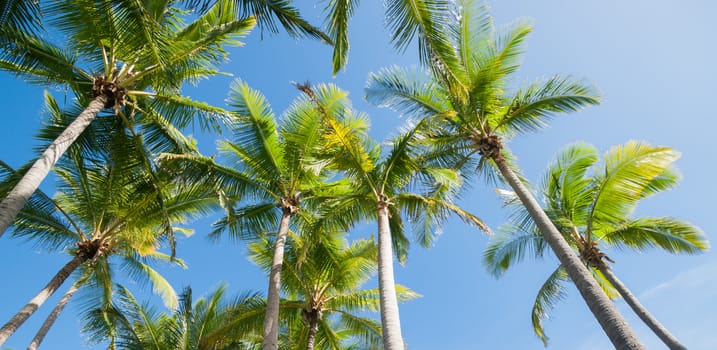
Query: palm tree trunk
662,332
16,321
612,323
390,320
271,319
313,327
16,199
40,336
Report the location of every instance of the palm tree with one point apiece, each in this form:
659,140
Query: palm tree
468,110
322,280
385,189
129,58
594,210
209,323
272,173
107,208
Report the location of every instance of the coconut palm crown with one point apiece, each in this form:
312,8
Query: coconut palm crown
214,322
273,173
128,58
322,283
386,188
470,111
594,212
108,210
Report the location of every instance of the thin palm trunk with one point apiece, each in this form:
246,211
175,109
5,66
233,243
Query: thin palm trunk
655,325
16,199
313,328
40,336
614,325
390,320
16,321
271,320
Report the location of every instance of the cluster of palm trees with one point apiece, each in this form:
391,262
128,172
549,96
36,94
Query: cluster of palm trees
128,180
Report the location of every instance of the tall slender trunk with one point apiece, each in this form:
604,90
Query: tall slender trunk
390,320
40,336
271,319
313,328
19,195
16,321
614,325
662,332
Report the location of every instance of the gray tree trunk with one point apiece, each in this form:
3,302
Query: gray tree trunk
271,319
390,320
16,321
612,323
655,325
313,328
16,199
40,336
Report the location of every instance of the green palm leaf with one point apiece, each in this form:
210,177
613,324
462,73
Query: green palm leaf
551,292
534,104
670,234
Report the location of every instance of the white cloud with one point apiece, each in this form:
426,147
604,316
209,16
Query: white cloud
697,280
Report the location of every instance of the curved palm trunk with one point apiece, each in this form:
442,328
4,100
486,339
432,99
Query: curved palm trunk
655,325
390,320
614,325
40,336
271,319
313,328
16,321
16,199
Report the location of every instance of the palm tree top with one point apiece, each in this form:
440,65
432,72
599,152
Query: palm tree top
323,279
592,204
467,89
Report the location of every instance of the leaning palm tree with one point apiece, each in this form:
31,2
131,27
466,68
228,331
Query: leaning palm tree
322,283
469,110
596,210
386,189
107,210
129,58
209,323
271,173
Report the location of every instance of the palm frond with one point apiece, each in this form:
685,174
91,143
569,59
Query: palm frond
255,131
567,188
408,91
672,235
182,111
160,285
266,11
20,15
471,31
511,246
628,174
533,106
551,292
38,61
337,24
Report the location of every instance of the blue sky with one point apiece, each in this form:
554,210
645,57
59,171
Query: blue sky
653,61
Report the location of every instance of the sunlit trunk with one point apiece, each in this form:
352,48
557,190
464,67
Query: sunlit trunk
271,320
614,325
655,325
40,336
390,320
19,195
16,321
313,328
